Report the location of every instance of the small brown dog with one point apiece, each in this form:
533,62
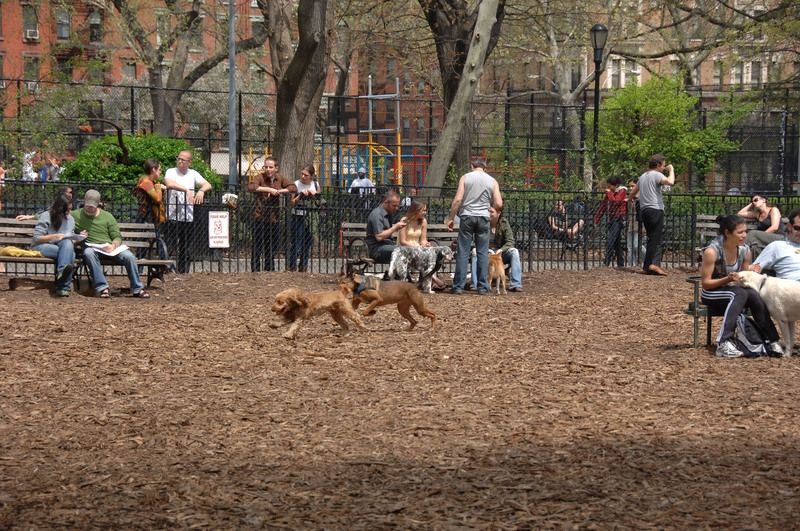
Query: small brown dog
377,292
497,271
295,306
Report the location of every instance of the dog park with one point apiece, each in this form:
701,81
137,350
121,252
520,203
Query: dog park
579,402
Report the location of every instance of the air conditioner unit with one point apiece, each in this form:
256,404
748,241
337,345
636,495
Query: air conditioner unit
31,34
2,83
32,86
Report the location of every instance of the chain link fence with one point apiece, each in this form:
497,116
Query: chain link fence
253,246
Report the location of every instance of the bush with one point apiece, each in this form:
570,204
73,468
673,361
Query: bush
100,161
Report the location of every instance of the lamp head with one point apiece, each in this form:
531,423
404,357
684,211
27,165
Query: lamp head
599,35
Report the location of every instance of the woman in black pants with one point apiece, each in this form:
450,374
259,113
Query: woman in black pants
724,257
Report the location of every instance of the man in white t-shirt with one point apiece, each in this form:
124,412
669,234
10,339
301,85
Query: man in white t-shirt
783,256
182,183
649,189
361,184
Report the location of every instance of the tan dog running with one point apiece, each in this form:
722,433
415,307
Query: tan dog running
497,271
295,306
376,293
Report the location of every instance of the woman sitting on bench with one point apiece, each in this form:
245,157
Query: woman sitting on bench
724,257
53,236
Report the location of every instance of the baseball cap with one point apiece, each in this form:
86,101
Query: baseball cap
92,198
362,169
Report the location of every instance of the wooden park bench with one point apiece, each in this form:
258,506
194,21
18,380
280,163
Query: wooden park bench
353,245
140,237
19,233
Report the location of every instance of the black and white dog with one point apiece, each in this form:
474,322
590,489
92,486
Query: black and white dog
426,260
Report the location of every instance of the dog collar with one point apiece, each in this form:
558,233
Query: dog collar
361,286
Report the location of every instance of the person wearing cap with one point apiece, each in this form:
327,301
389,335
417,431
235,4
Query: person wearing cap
181,183
361,184
103,240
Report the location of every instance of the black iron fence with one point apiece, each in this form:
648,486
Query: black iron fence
530,138
529,213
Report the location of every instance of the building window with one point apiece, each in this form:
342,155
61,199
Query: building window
631,73
129,70
575,76
63,29
30,23
64,68
2,75
95,26
774,71
31,68
737,75
162,28
390,69
616,73
718,74
196,36
755,73
1,20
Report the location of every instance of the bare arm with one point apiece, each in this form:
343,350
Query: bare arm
455,205
669,179
497,198
707,269
747,212
775,220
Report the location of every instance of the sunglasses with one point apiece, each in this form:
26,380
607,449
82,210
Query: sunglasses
796,227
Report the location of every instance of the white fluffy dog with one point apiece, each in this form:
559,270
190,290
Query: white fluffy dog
782,298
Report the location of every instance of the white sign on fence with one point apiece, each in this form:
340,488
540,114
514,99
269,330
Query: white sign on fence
219,230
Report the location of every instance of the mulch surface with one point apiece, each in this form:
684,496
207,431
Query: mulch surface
577,403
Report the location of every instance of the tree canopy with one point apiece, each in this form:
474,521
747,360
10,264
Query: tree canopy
659,117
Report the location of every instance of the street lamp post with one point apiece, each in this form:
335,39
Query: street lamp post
599,35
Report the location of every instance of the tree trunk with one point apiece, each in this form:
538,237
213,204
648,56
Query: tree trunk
462,101
300,88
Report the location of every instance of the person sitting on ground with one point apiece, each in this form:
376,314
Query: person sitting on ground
769,227
415,233
53,237
103,240
501,240
381,228
558,224
783,256
722,260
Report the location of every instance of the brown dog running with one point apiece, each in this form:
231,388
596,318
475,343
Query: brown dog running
497,271
295,306
376,293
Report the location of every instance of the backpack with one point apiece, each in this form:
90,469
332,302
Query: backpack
748,337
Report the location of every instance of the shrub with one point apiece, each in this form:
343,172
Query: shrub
101,161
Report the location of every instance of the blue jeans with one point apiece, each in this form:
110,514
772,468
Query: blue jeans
510,257
63,253
614,242
300,251
472,229
92,259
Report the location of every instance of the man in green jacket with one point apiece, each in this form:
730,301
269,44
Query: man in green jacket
104,241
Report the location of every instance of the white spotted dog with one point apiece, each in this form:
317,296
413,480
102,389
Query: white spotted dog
426,260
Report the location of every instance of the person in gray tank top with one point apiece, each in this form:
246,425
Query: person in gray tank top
651,204
477,191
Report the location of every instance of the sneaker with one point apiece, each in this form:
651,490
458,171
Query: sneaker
64,273
774,350
727,349
62,293
515,289
457,291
